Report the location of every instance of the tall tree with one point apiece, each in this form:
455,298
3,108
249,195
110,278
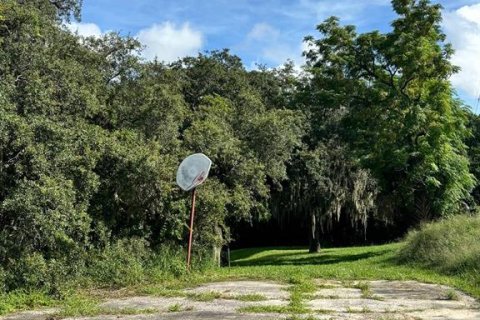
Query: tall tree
403,119
249,141
325,183
48,149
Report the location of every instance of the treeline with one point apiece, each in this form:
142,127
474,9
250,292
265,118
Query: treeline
91,136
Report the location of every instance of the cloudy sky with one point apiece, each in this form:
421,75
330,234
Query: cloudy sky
270,31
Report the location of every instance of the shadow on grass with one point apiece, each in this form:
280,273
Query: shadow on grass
303,258
241,254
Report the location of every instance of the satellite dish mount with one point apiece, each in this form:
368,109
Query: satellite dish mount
191,173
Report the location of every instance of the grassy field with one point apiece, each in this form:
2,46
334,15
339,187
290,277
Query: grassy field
290,265
354,263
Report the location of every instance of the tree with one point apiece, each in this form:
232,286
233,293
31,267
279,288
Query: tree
324,182
403,120
58,9
249,142
47,147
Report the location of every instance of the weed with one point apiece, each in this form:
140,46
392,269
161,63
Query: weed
452,295
175,308
205,296
365,289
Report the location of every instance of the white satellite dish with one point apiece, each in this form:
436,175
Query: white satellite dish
193,171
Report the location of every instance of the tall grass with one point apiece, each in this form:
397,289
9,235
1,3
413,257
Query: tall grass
451,246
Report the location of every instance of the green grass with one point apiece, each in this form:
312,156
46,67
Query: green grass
84,305
345,264
175,308
79,304
22,301
268,309
298,267
292,266
364,288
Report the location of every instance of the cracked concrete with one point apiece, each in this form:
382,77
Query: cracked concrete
395,299
166,304
333,300
269,290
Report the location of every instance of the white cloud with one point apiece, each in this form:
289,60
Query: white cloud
85,29
262,31
462,28
470,13
168,42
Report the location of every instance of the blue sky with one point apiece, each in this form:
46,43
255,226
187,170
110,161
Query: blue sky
269,31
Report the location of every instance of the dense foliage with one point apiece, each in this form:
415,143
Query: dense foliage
403,121
91,136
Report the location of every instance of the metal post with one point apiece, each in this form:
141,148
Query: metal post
228,256
192,215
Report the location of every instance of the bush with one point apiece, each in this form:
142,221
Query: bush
119,264
122,263
451,245
34,272
33,281
168,261
132,261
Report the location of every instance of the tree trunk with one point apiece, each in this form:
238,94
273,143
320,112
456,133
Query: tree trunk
217,247
314,234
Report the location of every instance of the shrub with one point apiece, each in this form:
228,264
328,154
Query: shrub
34,272
451,245
168,261
119,264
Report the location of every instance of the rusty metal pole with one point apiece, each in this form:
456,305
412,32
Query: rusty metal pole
190,237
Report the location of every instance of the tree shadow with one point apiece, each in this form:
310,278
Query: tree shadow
241,254
303,258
